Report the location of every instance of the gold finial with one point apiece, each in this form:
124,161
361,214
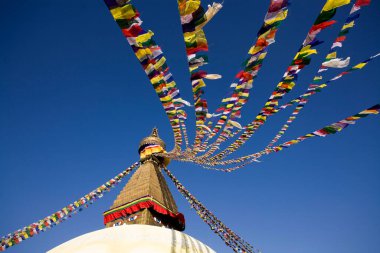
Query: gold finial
152,139
154,132
148,147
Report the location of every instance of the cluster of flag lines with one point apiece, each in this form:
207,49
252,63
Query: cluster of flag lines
66,212
223,124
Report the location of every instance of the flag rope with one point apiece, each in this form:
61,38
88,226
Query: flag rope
63,214
230,238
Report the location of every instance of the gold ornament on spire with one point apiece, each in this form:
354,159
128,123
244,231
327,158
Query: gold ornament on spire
151,145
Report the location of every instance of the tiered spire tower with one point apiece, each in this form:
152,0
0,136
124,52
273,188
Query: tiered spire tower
146,198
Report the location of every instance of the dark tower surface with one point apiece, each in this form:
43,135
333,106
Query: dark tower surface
146,198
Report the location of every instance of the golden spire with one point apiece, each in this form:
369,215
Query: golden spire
146,198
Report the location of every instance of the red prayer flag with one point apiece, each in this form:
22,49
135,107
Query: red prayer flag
340,39
362,2
322,25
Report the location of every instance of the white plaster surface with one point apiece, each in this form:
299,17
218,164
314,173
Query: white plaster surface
133,239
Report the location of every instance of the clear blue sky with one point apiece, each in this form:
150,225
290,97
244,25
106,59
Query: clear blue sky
74,104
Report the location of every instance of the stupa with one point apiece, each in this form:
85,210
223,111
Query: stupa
144,216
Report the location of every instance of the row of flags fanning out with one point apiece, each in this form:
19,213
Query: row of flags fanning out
286,84
224,123
232,105
226,234
331,61
238,97
63,214
323,132
152,60
231,239
193,18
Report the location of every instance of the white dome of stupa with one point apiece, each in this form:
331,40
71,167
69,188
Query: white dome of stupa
133,239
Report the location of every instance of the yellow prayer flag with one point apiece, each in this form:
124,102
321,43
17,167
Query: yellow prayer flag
332,4
166,98
305,51
191,69
172,84
201,83
269,103
360,65
305,48
156,79
144,37
244,94
261,117
254,49
141,53
199,123
125,12
159,64
349,25
280,16
331,55
188,6
262,56
189,36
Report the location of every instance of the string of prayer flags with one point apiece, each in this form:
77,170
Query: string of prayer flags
286,84
152,60
230,238
226,120
183,127
313,89
193,19
301,100
276,14
330,62
231,169
232,105
60,216
225,136
323,132
330,129
354,68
